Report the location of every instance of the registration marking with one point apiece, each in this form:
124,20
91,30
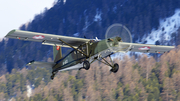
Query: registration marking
144,48
38,37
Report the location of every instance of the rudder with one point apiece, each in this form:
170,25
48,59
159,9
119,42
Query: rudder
57,53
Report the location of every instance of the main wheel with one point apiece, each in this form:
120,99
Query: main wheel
115,68
86,65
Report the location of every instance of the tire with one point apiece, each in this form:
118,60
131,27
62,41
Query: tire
115,68
86,65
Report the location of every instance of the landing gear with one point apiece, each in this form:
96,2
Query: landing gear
115,68
53,74
86,65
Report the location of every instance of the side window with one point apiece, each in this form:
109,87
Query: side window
75,52
84,48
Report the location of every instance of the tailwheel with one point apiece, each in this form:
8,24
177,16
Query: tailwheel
115,68
53,74
52,77
86,65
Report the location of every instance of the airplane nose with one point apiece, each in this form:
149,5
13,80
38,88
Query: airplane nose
118,39
116,44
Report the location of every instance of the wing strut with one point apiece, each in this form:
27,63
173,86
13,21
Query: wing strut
105,61
74,48
114,67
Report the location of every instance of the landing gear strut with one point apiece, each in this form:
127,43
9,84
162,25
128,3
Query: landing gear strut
115,67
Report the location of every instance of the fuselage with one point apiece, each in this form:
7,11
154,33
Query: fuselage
92,49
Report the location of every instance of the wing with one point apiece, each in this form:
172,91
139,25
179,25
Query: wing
47,39
147,48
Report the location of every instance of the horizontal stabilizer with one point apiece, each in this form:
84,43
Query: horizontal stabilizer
41,64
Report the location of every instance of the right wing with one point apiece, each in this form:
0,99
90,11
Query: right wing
146,48
47,39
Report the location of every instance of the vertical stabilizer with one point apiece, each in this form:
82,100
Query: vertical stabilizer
57,53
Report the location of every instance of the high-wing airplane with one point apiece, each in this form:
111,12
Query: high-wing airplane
85,51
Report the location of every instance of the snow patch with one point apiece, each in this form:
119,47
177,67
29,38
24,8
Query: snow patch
119,55
76,34
64,21
29,91
167,28
56,1
87,24
12,99
98,16
114,9
64,1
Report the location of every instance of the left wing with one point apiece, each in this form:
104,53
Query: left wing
147,48
47,39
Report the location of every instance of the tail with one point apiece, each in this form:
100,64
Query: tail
57,53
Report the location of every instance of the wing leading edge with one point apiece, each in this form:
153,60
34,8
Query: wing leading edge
50,39
147,48
47,39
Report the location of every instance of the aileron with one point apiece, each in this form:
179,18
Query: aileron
147,48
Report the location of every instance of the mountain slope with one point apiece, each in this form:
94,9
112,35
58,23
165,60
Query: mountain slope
141,79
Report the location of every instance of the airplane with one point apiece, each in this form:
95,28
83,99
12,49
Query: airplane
84,51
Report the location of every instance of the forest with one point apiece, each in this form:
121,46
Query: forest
141,79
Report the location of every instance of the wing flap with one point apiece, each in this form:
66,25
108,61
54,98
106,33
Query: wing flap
147,48
47,39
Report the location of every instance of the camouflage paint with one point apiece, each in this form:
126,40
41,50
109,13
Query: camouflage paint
90,48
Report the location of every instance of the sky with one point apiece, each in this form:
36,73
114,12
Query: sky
14,13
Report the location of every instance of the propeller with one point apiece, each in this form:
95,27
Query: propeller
118,33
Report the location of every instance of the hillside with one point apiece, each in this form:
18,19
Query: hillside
138,79
142,79
91,19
